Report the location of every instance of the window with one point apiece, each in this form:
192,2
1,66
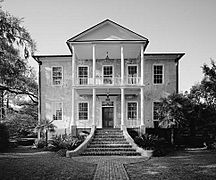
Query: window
158,74
83,75
107,74
57,75
132,74
57,111
156,106
132,110
83,111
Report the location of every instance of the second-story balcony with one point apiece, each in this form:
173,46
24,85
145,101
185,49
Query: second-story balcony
108,81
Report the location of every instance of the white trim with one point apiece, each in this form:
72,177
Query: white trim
155,64
61,84
54,109
137,110
77,77
113,74
78,111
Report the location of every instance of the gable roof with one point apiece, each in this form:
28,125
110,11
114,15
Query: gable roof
107,30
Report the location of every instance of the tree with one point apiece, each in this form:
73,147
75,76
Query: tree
172,112
15,75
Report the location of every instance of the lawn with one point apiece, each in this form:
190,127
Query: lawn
181,165
43,166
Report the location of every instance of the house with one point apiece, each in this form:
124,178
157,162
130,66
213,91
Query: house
107,81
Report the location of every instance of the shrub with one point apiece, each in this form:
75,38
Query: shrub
66,142
4,137
41,143
159,146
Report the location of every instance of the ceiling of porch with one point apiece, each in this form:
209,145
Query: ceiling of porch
85,51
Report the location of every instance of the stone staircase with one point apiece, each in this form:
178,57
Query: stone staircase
109,142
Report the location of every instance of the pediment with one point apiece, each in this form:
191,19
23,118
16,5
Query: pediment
107,31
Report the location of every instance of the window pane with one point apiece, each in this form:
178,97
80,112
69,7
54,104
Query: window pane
132,110
83,75
57,75
83,111
158,74
57,111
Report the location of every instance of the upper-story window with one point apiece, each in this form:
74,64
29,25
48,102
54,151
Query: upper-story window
108,74
156,106
57,111
132,74
83,75
132,110
57,75
158,74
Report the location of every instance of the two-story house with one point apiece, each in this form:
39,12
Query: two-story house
108,81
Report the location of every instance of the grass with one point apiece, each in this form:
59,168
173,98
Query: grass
43,166
181,165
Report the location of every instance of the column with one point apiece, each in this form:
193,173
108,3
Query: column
94,106
73,66
142,117
73,120
142,65
142,106
94,64
122,107
122,65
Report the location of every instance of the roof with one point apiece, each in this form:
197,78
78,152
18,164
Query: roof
107,30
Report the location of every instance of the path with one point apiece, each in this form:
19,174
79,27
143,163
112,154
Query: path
110,167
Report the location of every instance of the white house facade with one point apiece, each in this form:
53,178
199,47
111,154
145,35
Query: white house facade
108,81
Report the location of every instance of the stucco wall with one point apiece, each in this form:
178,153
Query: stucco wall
50,93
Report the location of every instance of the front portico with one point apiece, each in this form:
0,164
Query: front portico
113,107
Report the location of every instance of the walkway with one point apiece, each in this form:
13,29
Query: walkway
110,167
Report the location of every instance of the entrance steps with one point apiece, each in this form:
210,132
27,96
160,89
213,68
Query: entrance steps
109,142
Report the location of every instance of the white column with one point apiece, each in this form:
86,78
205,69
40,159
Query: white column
73,66
122,65
142,64
94,106
142,106
73,122
122,107
94,63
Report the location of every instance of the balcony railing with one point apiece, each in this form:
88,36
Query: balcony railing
109,81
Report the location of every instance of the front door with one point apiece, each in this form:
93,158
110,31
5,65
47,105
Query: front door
107,117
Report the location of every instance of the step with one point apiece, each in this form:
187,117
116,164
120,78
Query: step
109,139
109,142
110,146
109,153
108,136
109,149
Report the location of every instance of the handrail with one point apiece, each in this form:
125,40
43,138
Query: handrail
82,146
86,81
143,152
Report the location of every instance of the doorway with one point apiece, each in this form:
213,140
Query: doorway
107,117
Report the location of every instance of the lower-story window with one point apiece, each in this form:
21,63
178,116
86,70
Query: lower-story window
156,106
57,111
83,111
132,110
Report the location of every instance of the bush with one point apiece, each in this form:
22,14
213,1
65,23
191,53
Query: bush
159,146
41,143
4,137
66,142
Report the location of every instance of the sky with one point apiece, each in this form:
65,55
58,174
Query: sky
187,26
